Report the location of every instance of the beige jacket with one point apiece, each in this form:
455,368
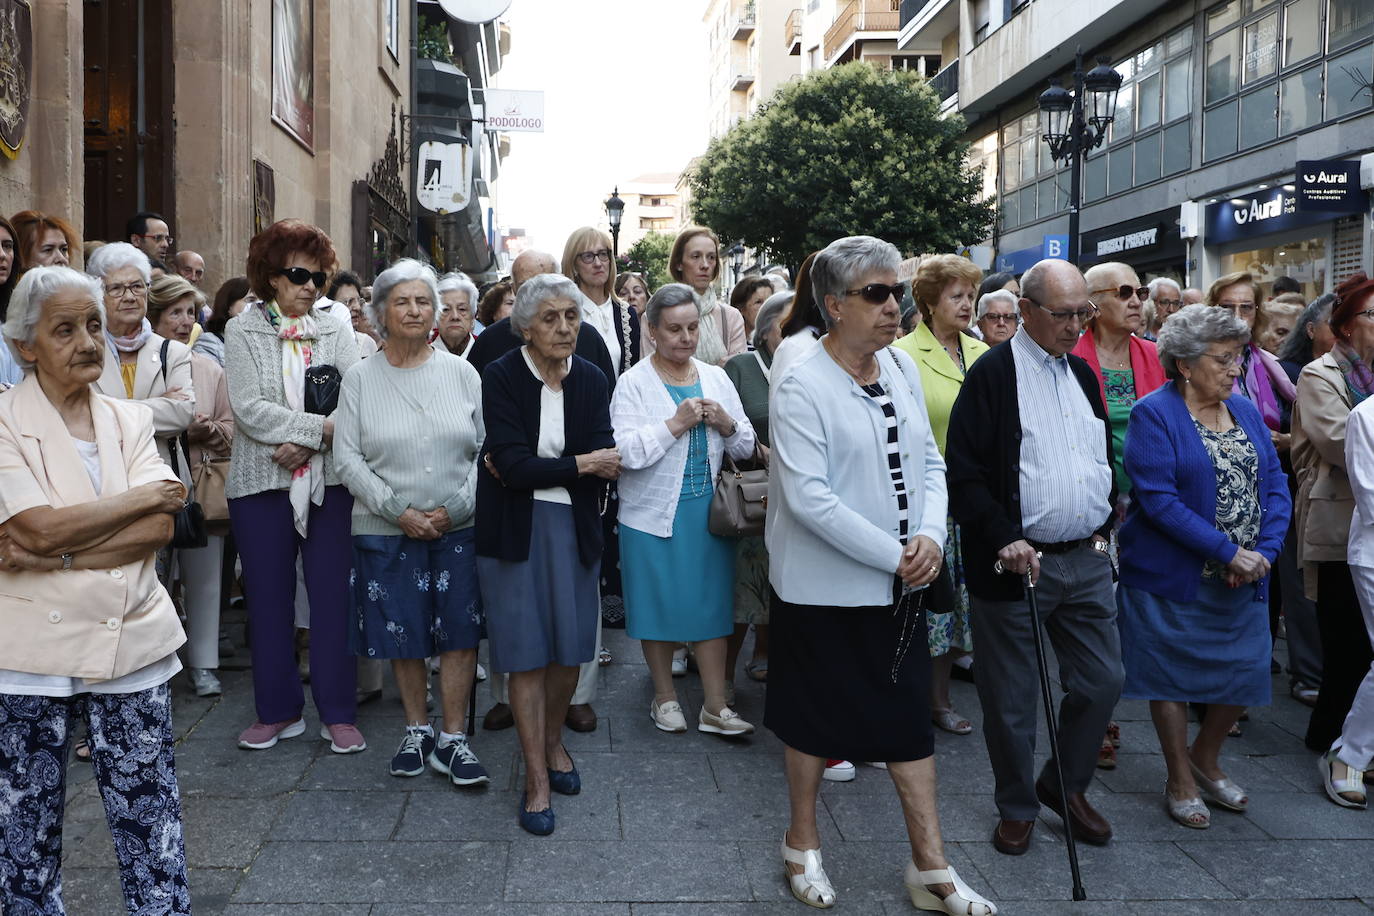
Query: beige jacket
171,416
97,624
1324,503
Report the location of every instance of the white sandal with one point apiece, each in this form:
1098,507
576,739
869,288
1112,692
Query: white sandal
1222,791
1337,788
965,901
811,887
1185,810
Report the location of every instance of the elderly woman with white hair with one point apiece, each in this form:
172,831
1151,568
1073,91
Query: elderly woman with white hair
675,418
549,452
407,435
457,308
90,634
1208,514
142,365
1166,297
856,528
999,315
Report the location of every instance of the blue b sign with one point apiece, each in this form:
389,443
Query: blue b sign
1056,246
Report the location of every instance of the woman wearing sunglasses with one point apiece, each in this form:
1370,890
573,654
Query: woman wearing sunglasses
285,497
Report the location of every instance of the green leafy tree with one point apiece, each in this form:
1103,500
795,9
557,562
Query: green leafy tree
649,256
848,151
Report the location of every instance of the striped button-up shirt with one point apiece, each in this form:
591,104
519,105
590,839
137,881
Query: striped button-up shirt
1066,479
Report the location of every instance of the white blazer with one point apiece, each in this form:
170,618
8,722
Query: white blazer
652,460
170,415
1359,445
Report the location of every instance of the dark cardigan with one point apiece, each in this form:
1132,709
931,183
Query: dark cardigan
498,340
983,454
510,409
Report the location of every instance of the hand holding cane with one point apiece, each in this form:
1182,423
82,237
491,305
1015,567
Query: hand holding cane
1051,726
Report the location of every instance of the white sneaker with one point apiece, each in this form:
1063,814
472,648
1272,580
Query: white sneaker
668,716
680,662
728,723
839,771
204,682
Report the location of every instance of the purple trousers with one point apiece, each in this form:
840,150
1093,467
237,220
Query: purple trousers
268,545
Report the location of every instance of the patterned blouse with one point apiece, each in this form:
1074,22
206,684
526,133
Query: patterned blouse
1238,509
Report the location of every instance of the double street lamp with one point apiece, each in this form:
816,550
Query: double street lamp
736,253
1073,126
615,211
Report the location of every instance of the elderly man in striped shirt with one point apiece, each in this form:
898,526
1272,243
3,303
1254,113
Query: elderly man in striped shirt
1031,486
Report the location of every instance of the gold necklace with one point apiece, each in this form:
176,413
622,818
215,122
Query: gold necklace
846,367
668,376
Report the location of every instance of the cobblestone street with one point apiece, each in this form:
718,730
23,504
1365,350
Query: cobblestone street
688,825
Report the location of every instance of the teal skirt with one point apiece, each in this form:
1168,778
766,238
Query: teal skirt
679,588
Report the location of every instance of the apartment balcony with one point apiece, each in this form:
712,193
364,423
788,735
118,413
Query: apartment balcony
946,82
925,23
792,31
745,23
862,20
742,82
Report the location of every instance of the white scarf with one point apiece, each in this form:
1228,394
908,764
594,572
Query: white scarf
298,336
710,343
134,342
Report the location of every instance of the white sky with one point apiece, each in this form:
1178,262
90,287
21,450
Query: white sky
624,86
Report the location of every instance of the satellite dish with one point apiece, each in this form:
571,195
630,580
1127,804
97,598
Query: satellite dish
475,11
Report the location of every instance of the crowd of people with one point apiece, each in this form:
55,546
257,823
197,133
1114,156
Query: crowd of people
406,468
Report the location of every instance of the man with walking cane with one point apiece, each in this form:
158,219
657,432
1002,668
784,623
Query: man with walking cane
1031,486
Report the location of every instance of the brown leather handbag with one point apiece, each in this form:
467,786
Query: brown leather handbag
740,503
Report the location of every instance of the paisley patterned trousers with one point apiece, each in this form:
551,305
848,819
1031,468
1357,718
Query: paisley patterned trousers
131,747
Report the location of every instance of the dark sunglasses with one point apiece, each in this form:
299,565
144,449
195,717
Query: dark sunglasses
300,276
1123,292
878,293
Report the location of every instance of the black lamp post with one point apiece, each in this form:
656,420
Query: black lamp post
615,210
736,253
1073,129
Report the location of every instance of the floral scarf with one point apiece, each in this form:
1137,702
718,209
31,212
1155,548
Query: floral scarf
1358,379
298,334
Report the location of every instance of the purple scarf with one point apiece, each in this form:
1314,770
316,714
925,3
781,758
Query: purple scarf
1255,384
1358,379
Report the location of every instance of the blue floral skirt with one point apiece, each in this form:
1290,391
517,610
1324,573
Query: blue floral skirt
415,599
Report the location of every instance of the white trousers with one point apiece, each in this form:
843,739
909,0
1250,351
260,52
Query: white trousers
1356,742
588,677
200,582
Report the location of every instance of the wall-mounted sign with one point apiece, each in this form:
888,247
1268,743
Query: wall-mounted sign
1239,218
1023,259
511,110
1146,239
1333,187
443,176
475,11
16,73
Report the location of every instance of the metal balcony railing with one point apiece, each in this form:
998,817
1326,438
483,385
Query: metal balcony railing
745,22
861,16
792,31
946,82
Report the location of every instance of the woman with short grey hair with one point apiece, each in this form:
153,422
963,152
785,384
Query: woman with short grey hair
1166,297
846,262
675,417
549,453
1208,515
999,315
407,434
457,309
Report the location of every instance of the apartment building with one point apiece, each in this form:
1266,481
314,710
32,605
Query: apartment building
1220,102
652,204
752,54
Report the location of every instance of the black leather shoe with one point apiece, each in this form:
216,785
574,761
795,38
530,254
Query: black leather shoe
498,717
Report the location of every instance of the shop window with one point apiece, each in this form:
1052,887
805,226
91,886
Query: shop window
1302,31
1221,66
1304,261
1178,148
1258,123
1147,161
1348,21
1219,131
1344,92
1300,101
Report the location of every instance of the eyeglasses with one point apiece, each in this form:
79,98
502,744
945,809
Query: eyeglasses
1367,313
300,276
1083,315
1241,308
117,290
591,257
1168,303
1124,291
878,293
1227,360
998,319
159,239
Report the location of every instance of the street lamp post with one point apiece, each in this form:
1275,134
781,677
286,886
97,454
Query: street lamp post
615,210
1072,132
736,253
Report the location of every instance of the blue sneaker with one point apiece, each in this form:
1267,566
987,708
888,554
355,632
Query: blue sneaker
569,783
539,823
417,745
458,761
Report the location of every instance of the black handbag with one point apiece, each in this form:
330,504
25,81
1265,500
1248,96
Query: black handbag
322,385
189,524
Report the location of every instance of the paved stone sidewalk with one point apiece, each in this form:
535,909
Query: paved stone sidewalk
688,825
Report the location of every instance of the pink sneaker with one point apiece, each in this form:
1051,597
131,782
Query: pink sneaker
259,737
343,738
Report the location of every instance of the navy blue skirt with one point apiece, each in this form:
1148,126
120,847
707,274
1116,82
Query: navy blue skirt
415,599
1213,649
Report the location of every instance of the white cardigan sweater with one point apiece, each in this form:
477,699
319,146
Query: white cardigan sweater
652,460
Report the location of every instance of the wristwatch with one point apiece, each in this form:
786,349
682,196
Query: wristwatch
1099,546
66,561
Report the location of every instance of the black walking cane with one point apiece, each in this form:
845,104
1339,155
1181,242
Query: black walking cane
1078,892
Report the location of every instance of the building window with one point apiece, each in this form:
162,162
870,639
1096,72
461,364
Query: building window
1265,74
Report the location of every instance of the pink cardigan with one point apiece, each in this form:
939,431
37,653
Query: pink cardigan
1145,364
